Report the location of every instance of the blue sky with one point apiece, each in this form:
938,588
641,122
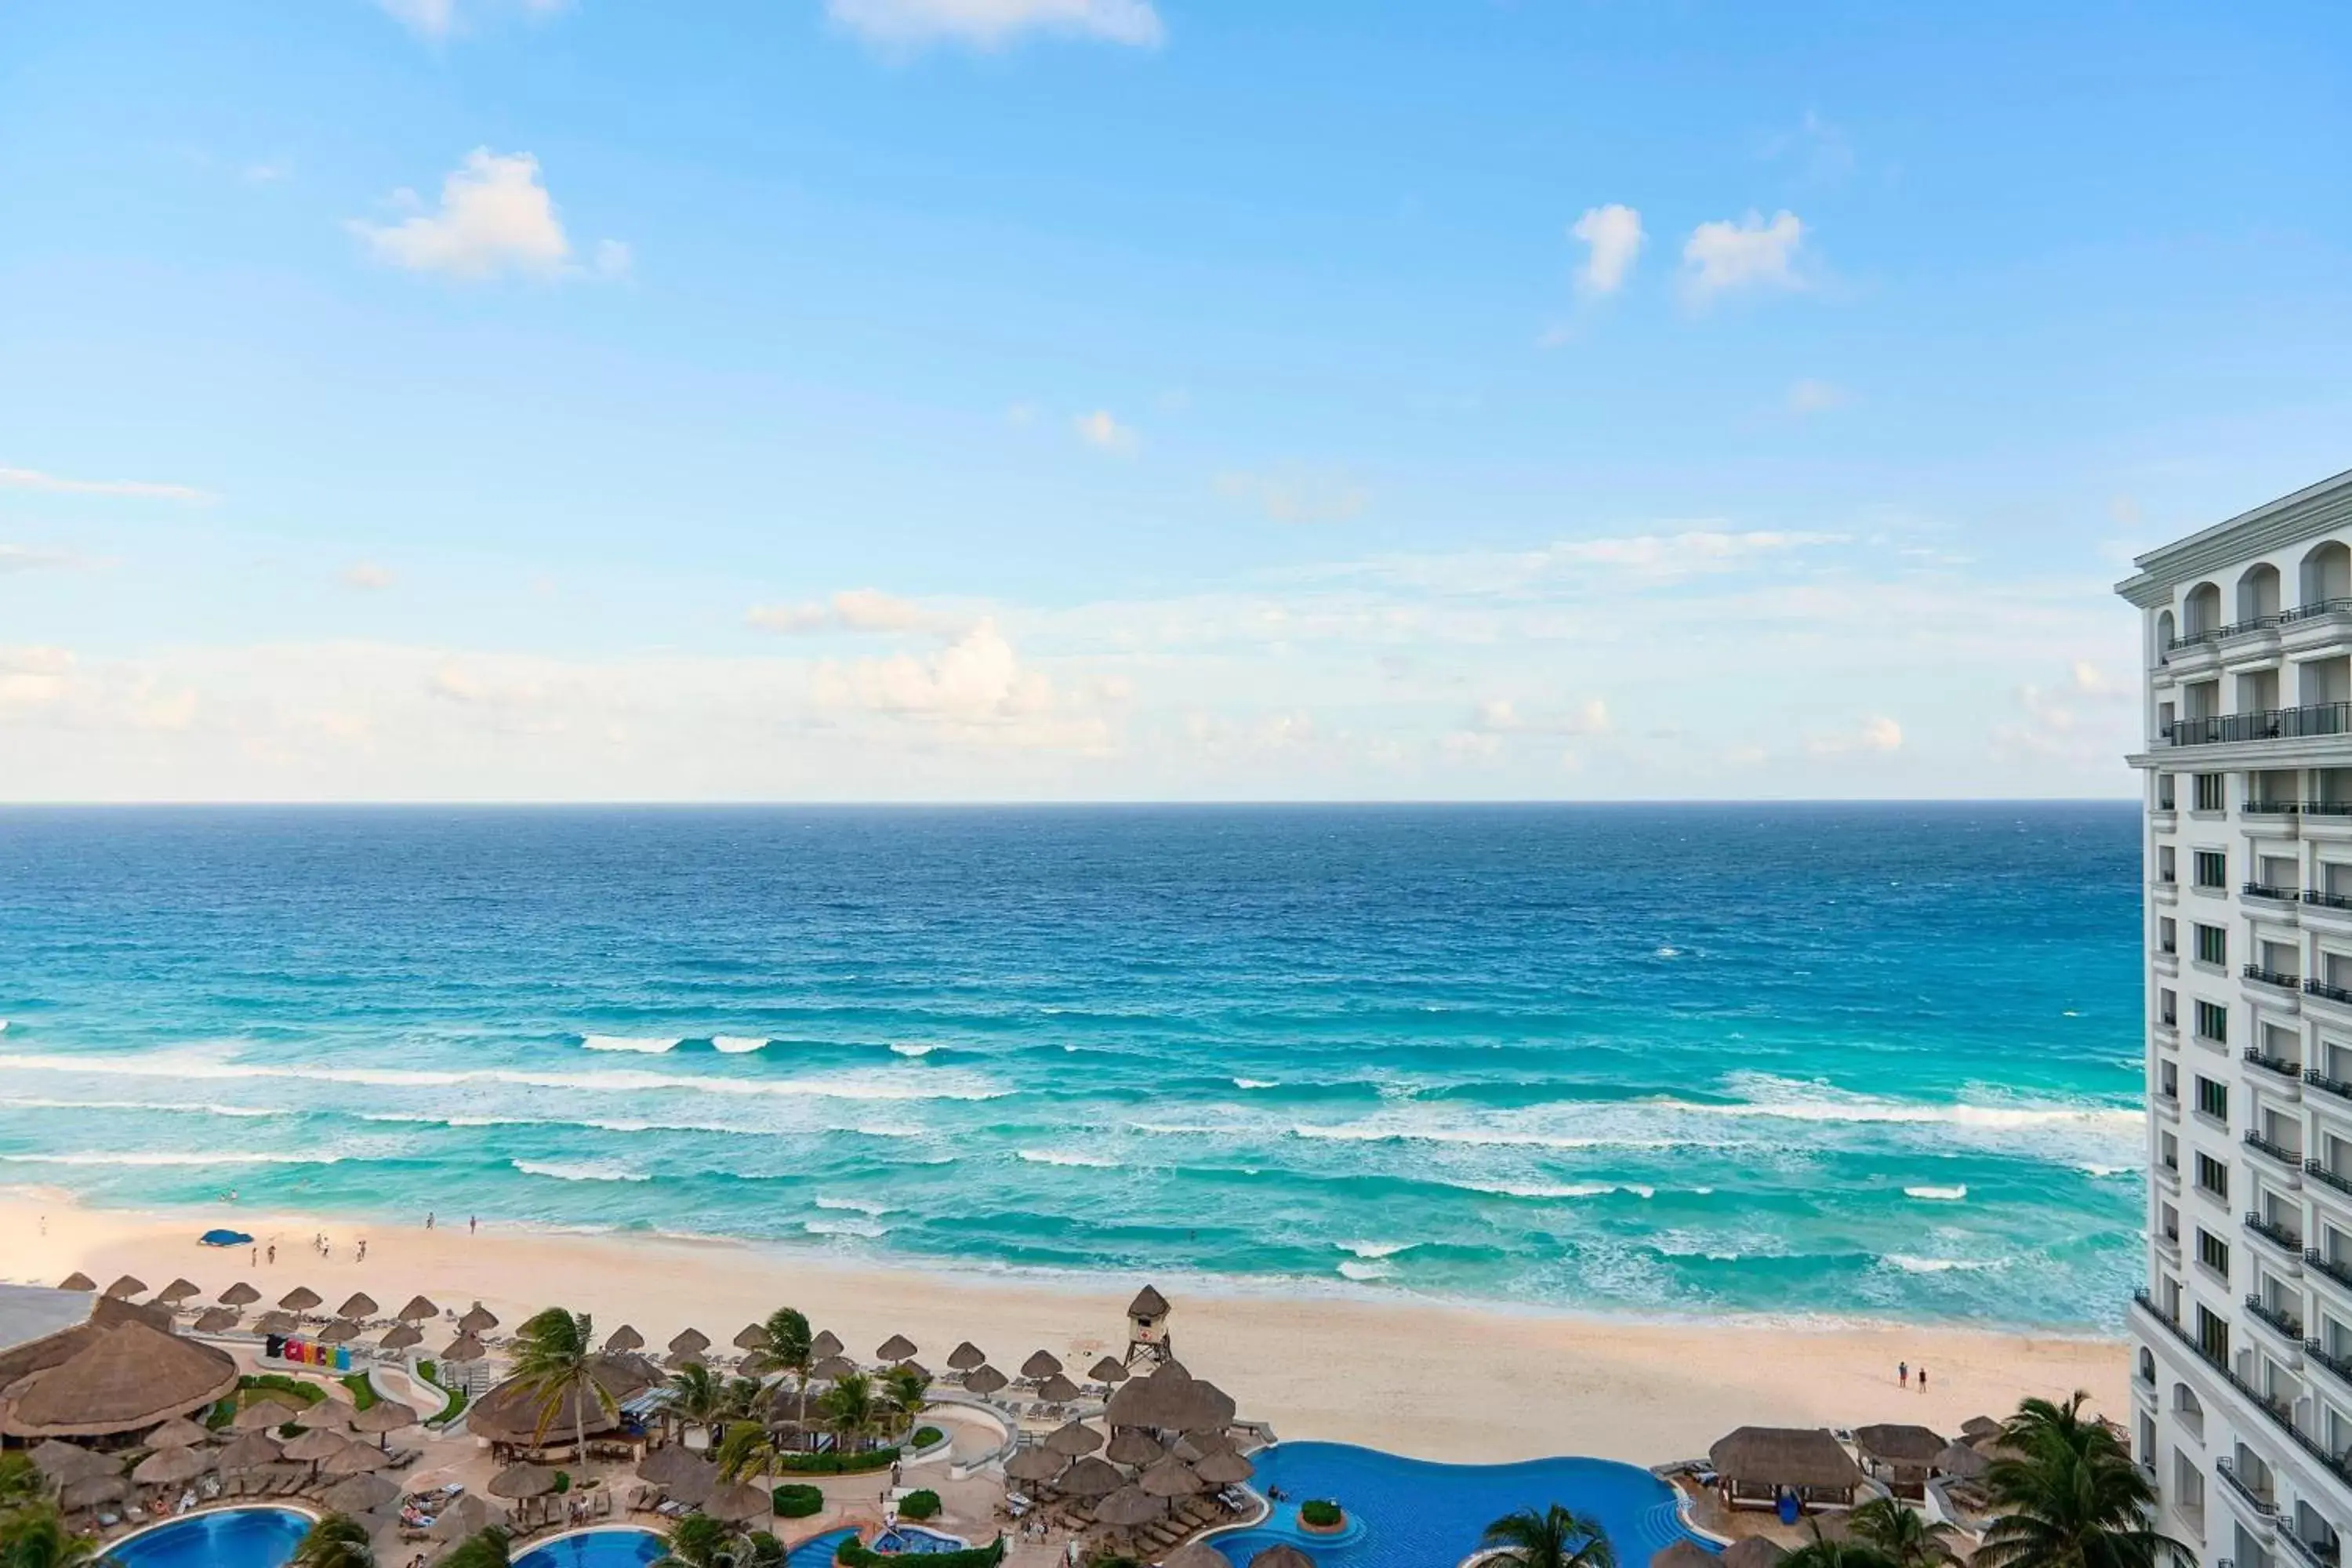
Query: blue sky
1078,399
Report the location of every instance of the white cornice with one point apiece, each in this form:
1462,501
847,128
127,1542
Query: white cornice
2309,511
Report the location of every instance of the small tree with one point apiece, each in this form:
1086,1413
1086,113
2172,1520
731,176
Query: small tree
1901,1533
906,1391
1555,1537
335,1540
34,1535
848,1407
486,1548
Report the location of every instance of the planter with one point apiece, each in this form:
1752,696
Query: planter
1333,1522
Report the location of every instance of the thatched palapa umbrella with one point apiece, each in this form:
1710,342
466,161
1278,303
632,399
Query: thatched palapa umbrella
1224,1469
1058,1390
1091,1477
66,1463
400,1336
676,1465
1041,1364
354,1459
215,1320
1194,1447
316,1446
1196,1554
897,1348
1129,1446
732,1502
1128,1507
479,1319
965,1357
417,1311
1037,1464
179,1432
360,1305
382,1418
178,1291
326,1415
262,1416
1684,1552
1170,1400
239,1295
1752,1551
469,1515
92,1491
833,1369
172,1467
1171,1477
750,1337
1283,1557
521,1481
251,1452
689,1341
1960,1462
985,1381
1758,1461
77,1280
358,1494
827,1343
300,1298
341,1331
1973,1428
465,1348
1073,1439
278,1322
128,1286
1110,1369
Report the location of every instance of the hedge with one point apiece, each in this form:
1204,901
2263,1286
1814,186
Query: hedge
794,1501
1320,1512
280,1383
362,1391
456,1397
919,1506
924,1437
836,1463
854,1554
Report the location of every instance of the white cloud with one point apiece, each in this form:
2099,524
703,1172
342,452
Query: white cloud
1297,495
368,577
1748,253
33,677
1501,716
1877,734
56,484
975,688
993,24
495,218
852,609
438,19
1104,433
1811,396
1613,234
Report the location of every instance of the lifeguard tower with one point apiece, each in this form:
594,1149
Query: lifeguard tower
1148,1340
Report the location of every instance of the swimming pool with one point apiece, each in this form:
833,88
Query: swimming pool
224,1538
818,1551
623,1546
1412,1513
914,1541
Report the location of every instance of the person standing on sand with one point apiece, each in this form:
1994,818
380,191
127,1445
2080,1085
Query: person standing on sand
428,1219
472,1224
362,1249
1902,1375
273,1252
1923,1379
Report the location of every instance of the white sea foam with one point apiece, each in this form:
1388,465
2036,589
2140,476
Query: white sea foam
1670,952
162,1158
865,1227
1376,1248
907,1049
1255,1083
2096,1170
645,1044
1062,1157
1548,1189
1353,1268
1360,1132
1998,1116
1910,1264
738,1044
1938,1195
582,1171
168,1107
856,1205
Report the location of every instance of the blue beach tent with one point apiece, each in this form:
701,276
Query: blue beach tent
226,1238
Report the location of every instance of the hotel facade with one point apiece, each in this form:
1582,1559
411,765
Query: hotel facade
2242,1348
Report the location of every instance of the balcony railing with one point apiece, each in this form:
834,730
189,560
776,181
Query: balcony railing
2315,609
2274,1233
2334,1086
2310,1552
2278,977
2336,1269
2270,808
2223,634
2322,989
2317,1352
2318,1171
2281,1414
2257,891
2262,724
2237,1483
2291,1158
2256,1057
2327,808
2318,899
2278,1318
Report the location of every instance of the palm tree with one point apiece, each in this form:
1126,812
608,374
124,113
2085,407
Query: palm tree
789,1348
556,1361
906,1391
35,1536
1821,1552
485,1548
21,1481
1555,1537
1902,1533
336,1541
698,1540
697,1398
849,1406
746,1451
2068,1496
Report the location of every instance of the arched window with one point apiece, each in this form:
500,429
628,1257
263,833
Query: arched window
2258,592
2147,1364
2201,611
2327,573
2164,634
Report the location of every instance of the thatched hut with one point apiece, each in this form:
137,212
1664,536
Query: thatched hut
516,1415
1282,1556
1753,1551
1170,1400
1754,1465
126,1379
624,1340
1196,1554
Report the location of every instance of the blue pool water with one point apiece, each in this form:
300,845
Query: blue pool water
915,1542
232,1537
818,1551
595,1549
1410,1513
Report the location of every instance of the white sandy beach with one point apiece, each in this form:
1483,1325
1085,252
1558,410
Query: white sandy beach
1440,1381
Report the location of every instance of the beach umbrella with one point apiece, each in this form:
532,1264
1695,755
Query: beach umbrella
827,1343
1170,1400
675,1466
417,1311
521,1481
170,1466
77,1280
465,1348
1752,1551
123,1290
833,1369
479,1319
1073,1439
316,1444
624,1340
1171,1477
92,1491
965,1357
1058,1389
326,1415
678,1361
179,1290
1110,1369
689,1341
897,1348
341,1331
275,1323
300,1298
360,1305
358,1494
732,1502
1035,1464
1282,1557
1041,1364
1128,1507
1684,1552
918,1368
179,1432
469,1515
239,1295
983,1380
749,1337
1194,1447
354,1459
1132,1445
66,1463
1960,1462
251,1452
1977,1427
384,1417
1091,1477
400,1336
1224,1469
1196,1554
262,1416
215,1320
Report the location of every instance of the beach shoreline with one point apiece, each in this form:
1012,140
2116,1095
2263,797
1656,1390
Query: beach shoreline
1452,1382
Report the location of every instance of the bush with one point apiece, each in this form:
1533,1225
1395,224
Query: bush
836,1464
795,1500
919,1506
1320,1512
362,1391
562,1482
457,1396
854,1554
925,1438
280,1383
766,1550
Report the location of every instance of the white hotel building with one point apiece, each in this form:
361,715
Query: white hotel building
2243,1340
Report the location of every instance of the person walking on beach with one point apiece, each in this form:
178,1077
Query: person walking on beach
1923,1379
362,1249
428,1219
472,1224
1903,1374
273,1252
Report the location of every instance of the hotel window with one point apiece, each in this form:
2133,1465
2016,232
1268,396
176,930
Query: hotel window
2212,1333
2213,1176
2212,868
2164,871
2213,945
2168,1079
2168,1009
2164,792
2214,1099
2213,1253
2209,791
2168,935
2212,1024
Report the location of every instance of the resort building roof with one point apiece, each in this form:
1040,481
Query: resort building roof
125,1378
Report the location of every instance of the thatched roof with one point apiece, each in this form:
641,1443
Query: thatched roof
172,1467
354,1460
1196,1554
1895,1442
77,1280
1753,1551
689,1341
215,1320
1036,1464
251,1452
300,1298
385,1416
1977,1427
419,1308
749,1337
965,1356
126,1287
676,1464
833,1369
179,1290
1148,1303
65,1463
48,1350
469,1515
400,1336
1224,1469
341,1331
357,1494
465,1348
898,1347
278,1322
827,1343
1283,1557
1073,1439
1171,1477
1684,1552
360,1305
984,1380
1784,1456
521,1481
1059,1389
316,1444
733,1502
1110,1369
1130,1446
623,1338
239,1295
125,1380
262,1414
179,1432
91,1491
512,1412
1129,1506
1194,1447
1091,1477
1041,1363
1960,1462
1170,1400
479,1319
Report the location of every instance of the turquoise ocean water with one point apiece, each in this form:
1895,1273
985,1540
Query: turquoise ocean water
1786,1059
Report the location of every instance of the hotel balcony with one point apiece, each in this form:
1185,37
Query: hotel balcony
2167,1105
2312,1077
2325,1177
2309,1553
2280,1413
2331,1001
2328,913
2277,977
2309,627
2289,1157
2258,1498
2335,1272
2291,1071
2278,1320
2287,897
2335,1366
2315,720
2285,1238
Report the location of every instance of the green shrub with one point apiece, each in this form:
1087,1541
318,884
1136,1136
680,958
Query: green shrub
1320,1512
562,1482
925,1438
455,1406
853,1553
919,1506
836,1463
362,1391
280,1383
767,1552
795,1500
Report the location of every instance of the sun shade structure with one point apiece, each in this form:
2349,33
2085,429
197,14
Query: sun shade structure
93,1491
1171,1477
827,1343
1684,1552
689,1341
833,1369
65,1463
1756,1463
1960,1462
1041,1363
515,1412
341,1331
1091,1478
325,1416
360,1305
385,1416
965,1357
275,1324
465,1348
749,1337
1073,1439
1058,1389
354,1459
1170,1400
521,1481
417,1311
300,1298
130,1285
1036,1464
1282,1557
1224,1469
179,1290
400,1336
985,1381
1110,1369
215,1320
624,1340
1974,1428
317,1444
125,1380
469,1515
897,1348
676,1465
1196,1554
479,1319
1128,1507
357,1494
262,1416
77,1280
1752,1551
239,1295
732,1502
179,1432
1129,1446
251,1452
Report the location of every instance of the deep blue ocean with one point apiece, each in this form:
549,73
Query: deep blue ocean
1880,1060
